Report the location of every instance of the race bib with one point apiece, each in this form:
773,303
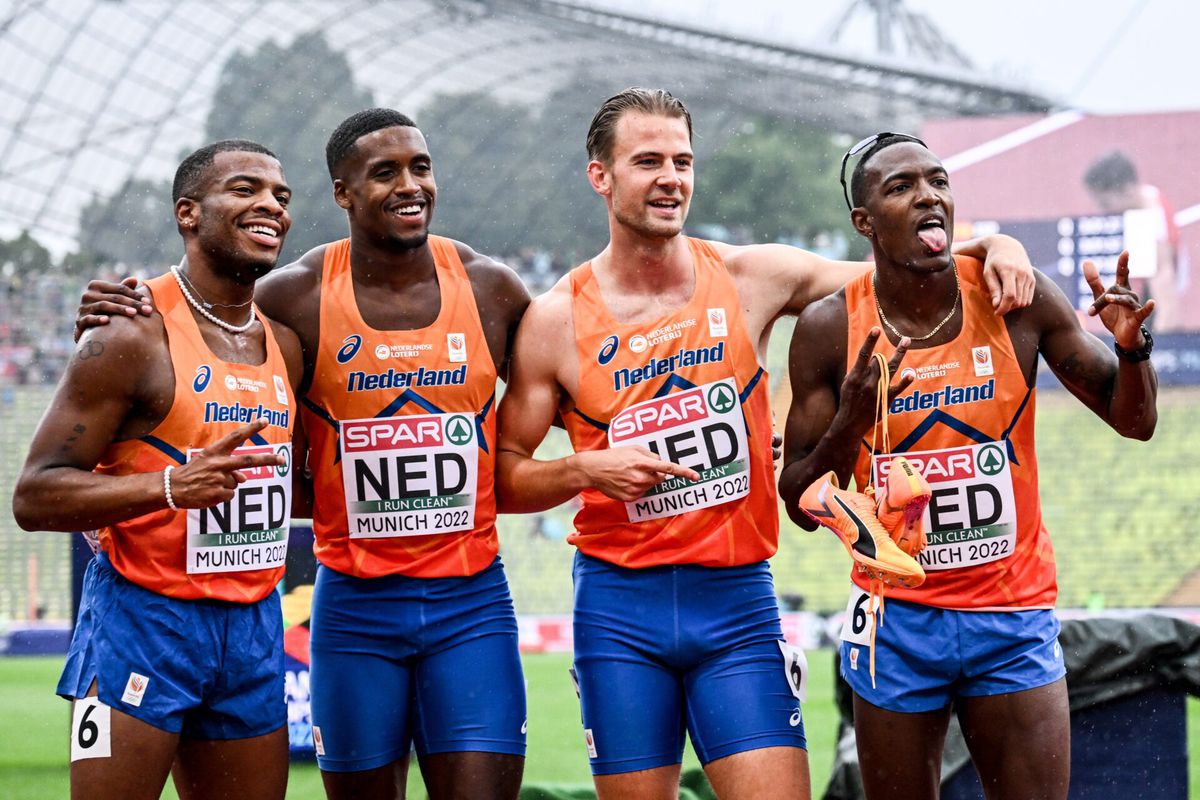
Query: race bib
857,625
972,516
795,669
409,476
91,729
249,531
702,429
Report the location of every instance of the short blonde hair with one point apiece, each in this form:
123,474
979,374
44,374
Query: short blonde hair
649,101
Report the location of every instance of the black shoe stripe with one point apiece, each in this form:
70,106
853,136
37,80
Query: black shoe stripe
865,543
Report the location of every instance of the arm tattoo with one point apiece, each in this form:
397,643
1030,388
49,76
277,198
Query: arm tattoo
90,349
77,431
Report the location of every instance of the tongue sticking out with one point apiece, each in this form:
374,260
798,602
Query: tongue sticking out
934,239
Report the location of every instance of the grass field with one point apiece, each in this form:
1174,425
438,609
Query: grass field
34,743
33,732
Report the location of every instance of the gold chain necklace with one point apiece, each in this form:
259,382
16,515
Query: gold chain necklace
936,328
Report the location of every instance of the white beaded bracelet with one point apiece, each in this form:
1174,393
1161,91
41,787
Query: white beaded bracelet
167,488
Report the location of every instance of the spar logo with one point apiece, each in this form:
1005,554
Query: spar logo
403,433
608,350
283,469
656,415
459,430
349,349
203,376
721,398
955,464
990,460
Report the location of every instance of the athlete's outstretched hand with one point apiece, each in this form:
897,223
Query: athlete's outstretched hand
627,473
1119,308
211,476
861,385
104,299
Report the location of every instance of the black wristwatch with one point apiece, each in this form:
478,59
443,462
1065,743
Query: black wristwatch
1141,354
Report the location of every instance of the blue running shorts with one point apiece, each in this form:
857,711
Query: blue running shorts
925,657
208,669
661,649
398,661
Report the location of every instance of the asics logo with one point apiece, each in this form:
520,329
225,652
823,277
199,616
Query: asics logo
607,350
203,376
349,348
795,718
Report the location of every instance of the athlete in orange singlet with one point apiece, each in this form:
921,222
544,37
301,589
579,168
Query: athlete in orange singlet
980,633
652,352
404,336
178,651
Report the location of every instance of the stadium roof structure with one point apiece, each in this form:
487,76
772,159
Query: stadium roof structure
93,92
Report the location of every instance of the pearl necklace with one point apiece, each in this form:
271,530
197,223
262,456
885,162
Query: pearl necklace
204,312
936,328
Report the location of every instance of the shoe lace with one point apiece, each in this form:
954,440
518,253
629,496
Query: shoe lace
878,432
875,609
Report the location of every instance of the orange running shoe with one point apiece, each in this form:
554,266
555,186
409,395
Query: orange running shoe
903,495
852,517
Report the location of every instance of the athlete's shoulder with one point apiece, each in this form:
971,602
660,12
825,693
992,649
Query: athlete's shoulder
818,346
825,321
131,335
826,314
128,350
290,349
1050,307
486,272
500,295
289,290
554,305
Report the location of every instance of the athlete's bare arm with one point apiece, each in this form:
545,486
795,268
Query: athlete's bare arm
1120,392
776,280
831,410
542,378
118,385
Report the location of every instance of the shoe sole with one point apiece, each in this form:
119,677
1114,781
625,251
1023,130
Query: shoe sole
912,541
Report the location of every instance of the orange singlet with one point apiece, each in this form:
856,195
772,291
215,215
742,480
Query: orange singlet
689,387
966,423
235,551
402,433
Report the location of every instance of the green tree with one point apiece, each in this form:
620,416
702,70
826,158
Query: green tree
134,227
474,140
290,99
773,180
510,177
23,257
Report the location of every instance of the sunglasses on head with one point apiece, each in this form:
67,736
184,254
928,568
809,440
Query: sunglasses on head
866,144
